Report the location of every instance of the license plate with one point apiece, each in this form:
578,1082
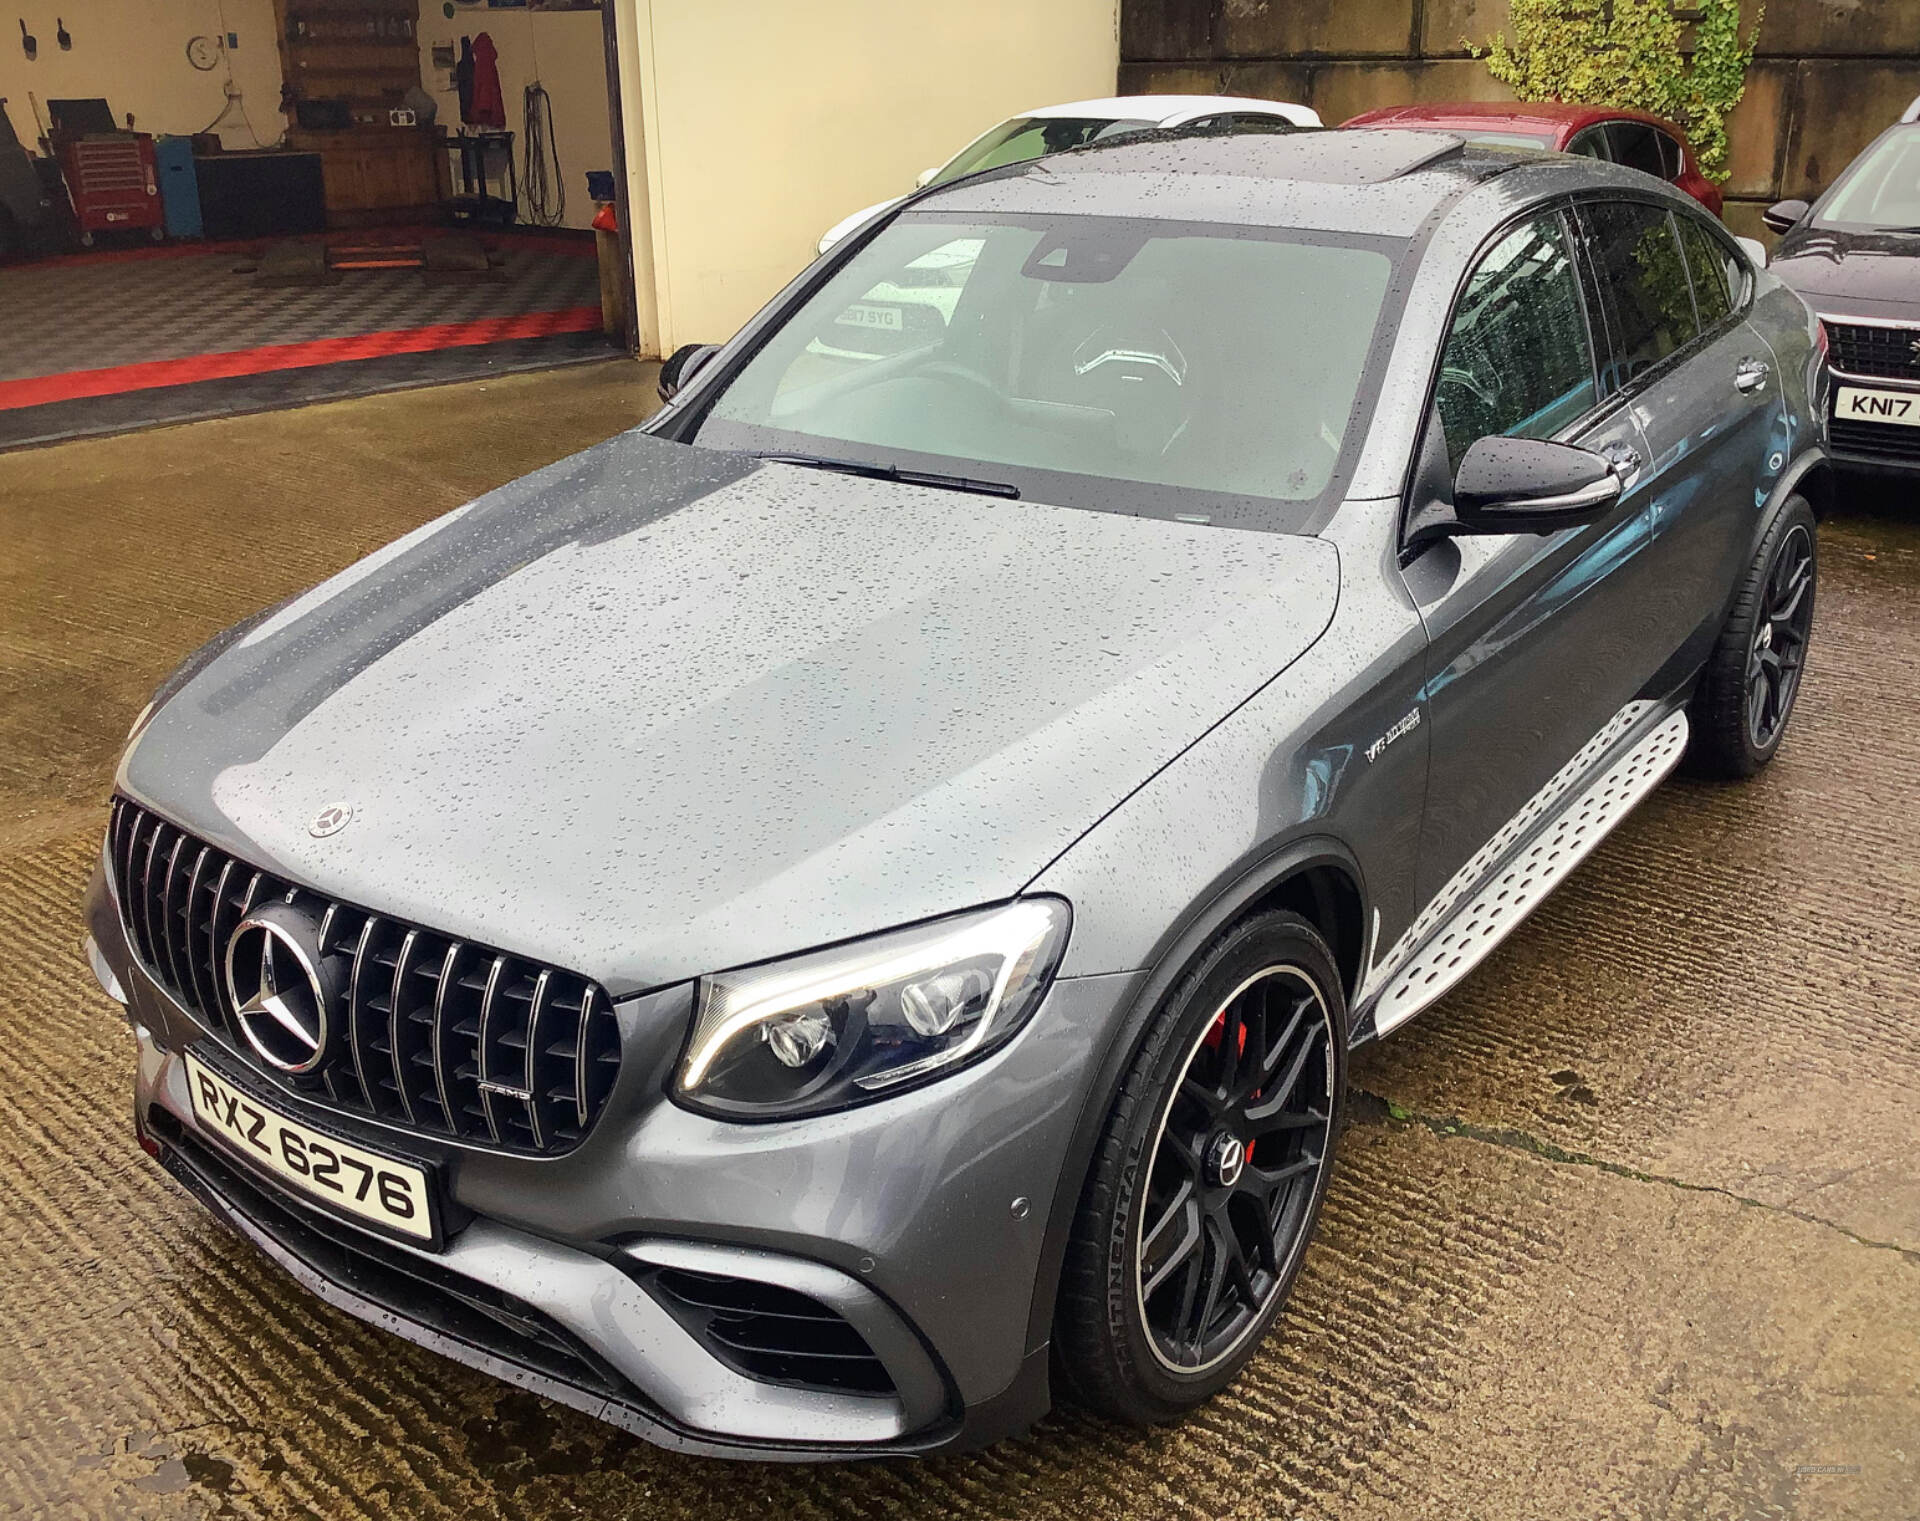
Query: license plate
1857,404
391,1194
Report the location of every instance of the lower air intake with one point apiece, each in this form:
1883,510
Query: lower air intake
771,1333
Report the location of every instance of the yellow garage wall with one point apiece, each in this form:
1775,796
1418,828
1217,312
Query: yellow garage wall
134,52
563,51
765,122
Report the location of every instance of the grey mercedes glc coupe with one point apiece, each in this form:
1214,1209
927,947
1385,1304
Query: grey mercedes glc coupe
814,924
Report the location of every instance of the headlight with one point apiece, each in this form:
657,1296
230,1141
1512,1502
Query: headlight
846,1026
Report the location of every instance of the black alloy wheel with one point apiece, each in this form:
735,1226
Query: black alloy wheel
1745,699
1209,1174
1235,1169
1779,645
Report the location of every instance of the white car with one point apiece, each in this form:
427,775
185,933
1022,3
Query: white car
1053,128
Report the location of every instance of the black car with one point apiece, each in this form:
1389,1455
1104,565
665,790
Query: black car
1854,256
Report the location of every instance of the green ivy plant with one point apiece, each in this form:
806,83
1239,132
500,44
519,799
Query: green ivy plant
1627,53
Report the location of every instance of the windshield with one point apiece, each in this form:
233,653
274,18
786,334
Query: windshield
1025,137
1881,188
1171,368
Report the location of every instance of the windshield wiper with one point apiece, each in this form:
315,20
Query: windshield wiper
893,473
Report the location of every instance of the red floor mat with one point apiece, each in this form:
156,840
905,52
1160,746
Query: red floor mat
78,384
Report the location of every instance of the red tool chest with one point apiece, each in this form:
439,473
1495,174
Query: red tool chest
113,181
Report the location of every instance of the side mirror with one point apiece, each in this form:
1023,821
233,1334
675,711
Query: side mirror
1755,250
1783,216
926,177
681,365
1529,485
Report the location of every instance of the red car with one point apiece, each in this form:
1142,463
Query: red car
1632,138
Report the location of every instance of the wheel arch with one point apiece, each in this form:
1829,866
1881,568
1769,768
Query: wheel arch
1809,474
1813,477
1318,878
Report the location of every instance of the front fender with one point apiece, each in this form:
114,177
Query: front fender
1320,768
1127,1032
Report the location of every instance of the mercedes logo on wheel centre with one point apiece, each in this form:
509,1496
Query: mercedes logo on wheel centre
280,987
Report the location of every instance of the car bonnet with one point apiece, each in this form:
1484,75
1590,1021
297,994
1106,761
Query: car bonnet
658,710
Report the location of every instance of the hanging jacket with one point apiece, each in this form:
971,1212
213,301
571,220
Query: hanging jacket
488,107
463,79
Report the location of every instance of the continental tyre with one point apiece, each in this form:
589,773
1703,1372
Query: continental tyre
1209,1176
1746,697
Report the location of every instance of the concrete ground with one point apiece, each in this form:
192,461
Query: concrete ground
1629,1226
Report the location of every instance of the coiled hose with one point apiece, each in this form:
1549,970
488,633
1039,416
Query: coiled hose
541,179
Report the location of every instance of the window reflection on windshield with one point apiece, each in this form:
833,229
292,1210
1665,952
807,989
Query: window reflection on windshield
1882,189
1217,360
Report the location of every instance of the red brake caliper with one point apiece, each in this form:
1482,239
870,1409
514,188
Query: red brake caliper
1212,1041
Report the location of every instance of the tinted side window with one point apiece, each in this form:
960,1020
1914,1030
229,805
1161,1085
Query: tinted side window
1638,263
1671,158
1636,145
1709,264
1517,359
1591,143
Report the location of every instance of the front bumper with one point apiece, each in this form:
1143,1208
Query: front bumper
918,1221
1870,445
1866,442
1874,448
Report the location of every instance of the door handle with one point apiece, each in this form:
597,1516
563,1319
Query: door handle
1751,375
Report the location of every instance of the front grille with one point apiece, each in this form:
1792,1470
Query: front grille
437,1035
1865,440
774,1334
1861,349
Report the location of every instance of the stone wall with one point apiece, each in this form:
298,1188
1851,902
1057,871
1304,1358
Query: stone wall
1828,74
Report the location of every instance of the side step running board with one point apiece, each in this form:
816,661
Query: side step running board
1463,940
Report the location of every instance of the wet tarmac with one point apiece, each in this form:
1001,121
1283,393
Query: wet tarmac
1627,1226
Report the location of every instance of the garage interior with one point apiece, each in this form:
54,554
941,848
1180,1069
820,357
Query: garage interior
237,205
299,200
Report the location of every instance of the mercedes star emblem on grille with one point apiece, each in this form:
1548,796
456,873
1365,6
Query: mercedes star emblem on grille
280,988
331,820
